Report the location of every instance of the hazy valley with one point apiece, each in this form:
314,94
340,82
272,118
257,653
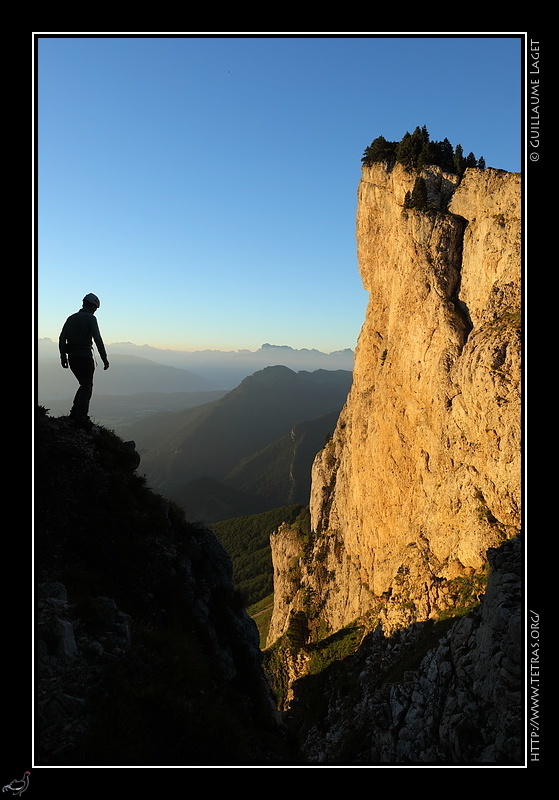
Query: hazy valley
219,453
255,445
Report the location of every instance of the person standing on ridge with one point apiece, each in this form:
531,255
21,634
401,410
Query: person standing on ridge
75,344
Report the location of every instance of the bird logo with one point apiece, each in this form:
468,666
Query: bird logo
17,787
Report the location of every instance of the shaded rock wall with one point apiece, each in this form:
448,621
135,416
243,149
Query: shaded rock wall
144,654
434,693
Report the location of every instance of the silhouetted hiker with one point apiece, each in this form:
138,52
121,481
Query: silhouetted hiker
75,344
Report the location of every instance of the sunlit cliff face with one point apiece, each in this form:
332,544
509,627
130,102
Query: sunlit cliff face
423,473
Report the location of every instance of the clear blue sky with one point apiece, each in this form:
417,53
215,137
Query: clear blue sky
205,186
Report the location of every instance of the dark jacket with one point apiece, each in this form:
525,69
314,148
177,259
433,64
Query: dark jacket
78,334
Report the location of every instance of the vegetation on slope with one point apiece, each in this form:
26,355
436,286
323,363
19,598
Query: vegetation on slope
247,541
211,440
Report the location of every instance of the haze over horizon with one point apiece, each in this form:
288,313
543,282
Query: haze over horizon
135,346
205,187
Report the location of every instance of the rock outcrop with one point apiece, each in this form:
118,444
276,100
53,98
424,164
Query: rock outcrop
144,653
446,692
422,475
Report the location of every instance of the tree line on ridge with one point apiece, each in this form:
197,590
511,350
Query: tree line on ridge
416,150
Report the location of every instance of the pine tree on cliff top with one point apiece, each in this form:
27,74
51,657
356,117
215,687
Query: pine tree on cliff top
416,150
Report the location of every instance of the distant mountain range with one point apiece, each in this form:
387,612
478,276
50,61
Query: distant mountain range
205,369
250,450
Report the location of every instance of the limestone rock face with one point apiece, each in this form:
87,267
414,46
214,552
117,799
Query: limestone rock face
422,475
287,575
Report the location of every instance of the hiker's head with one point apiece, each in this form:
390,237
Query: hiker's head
91,302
